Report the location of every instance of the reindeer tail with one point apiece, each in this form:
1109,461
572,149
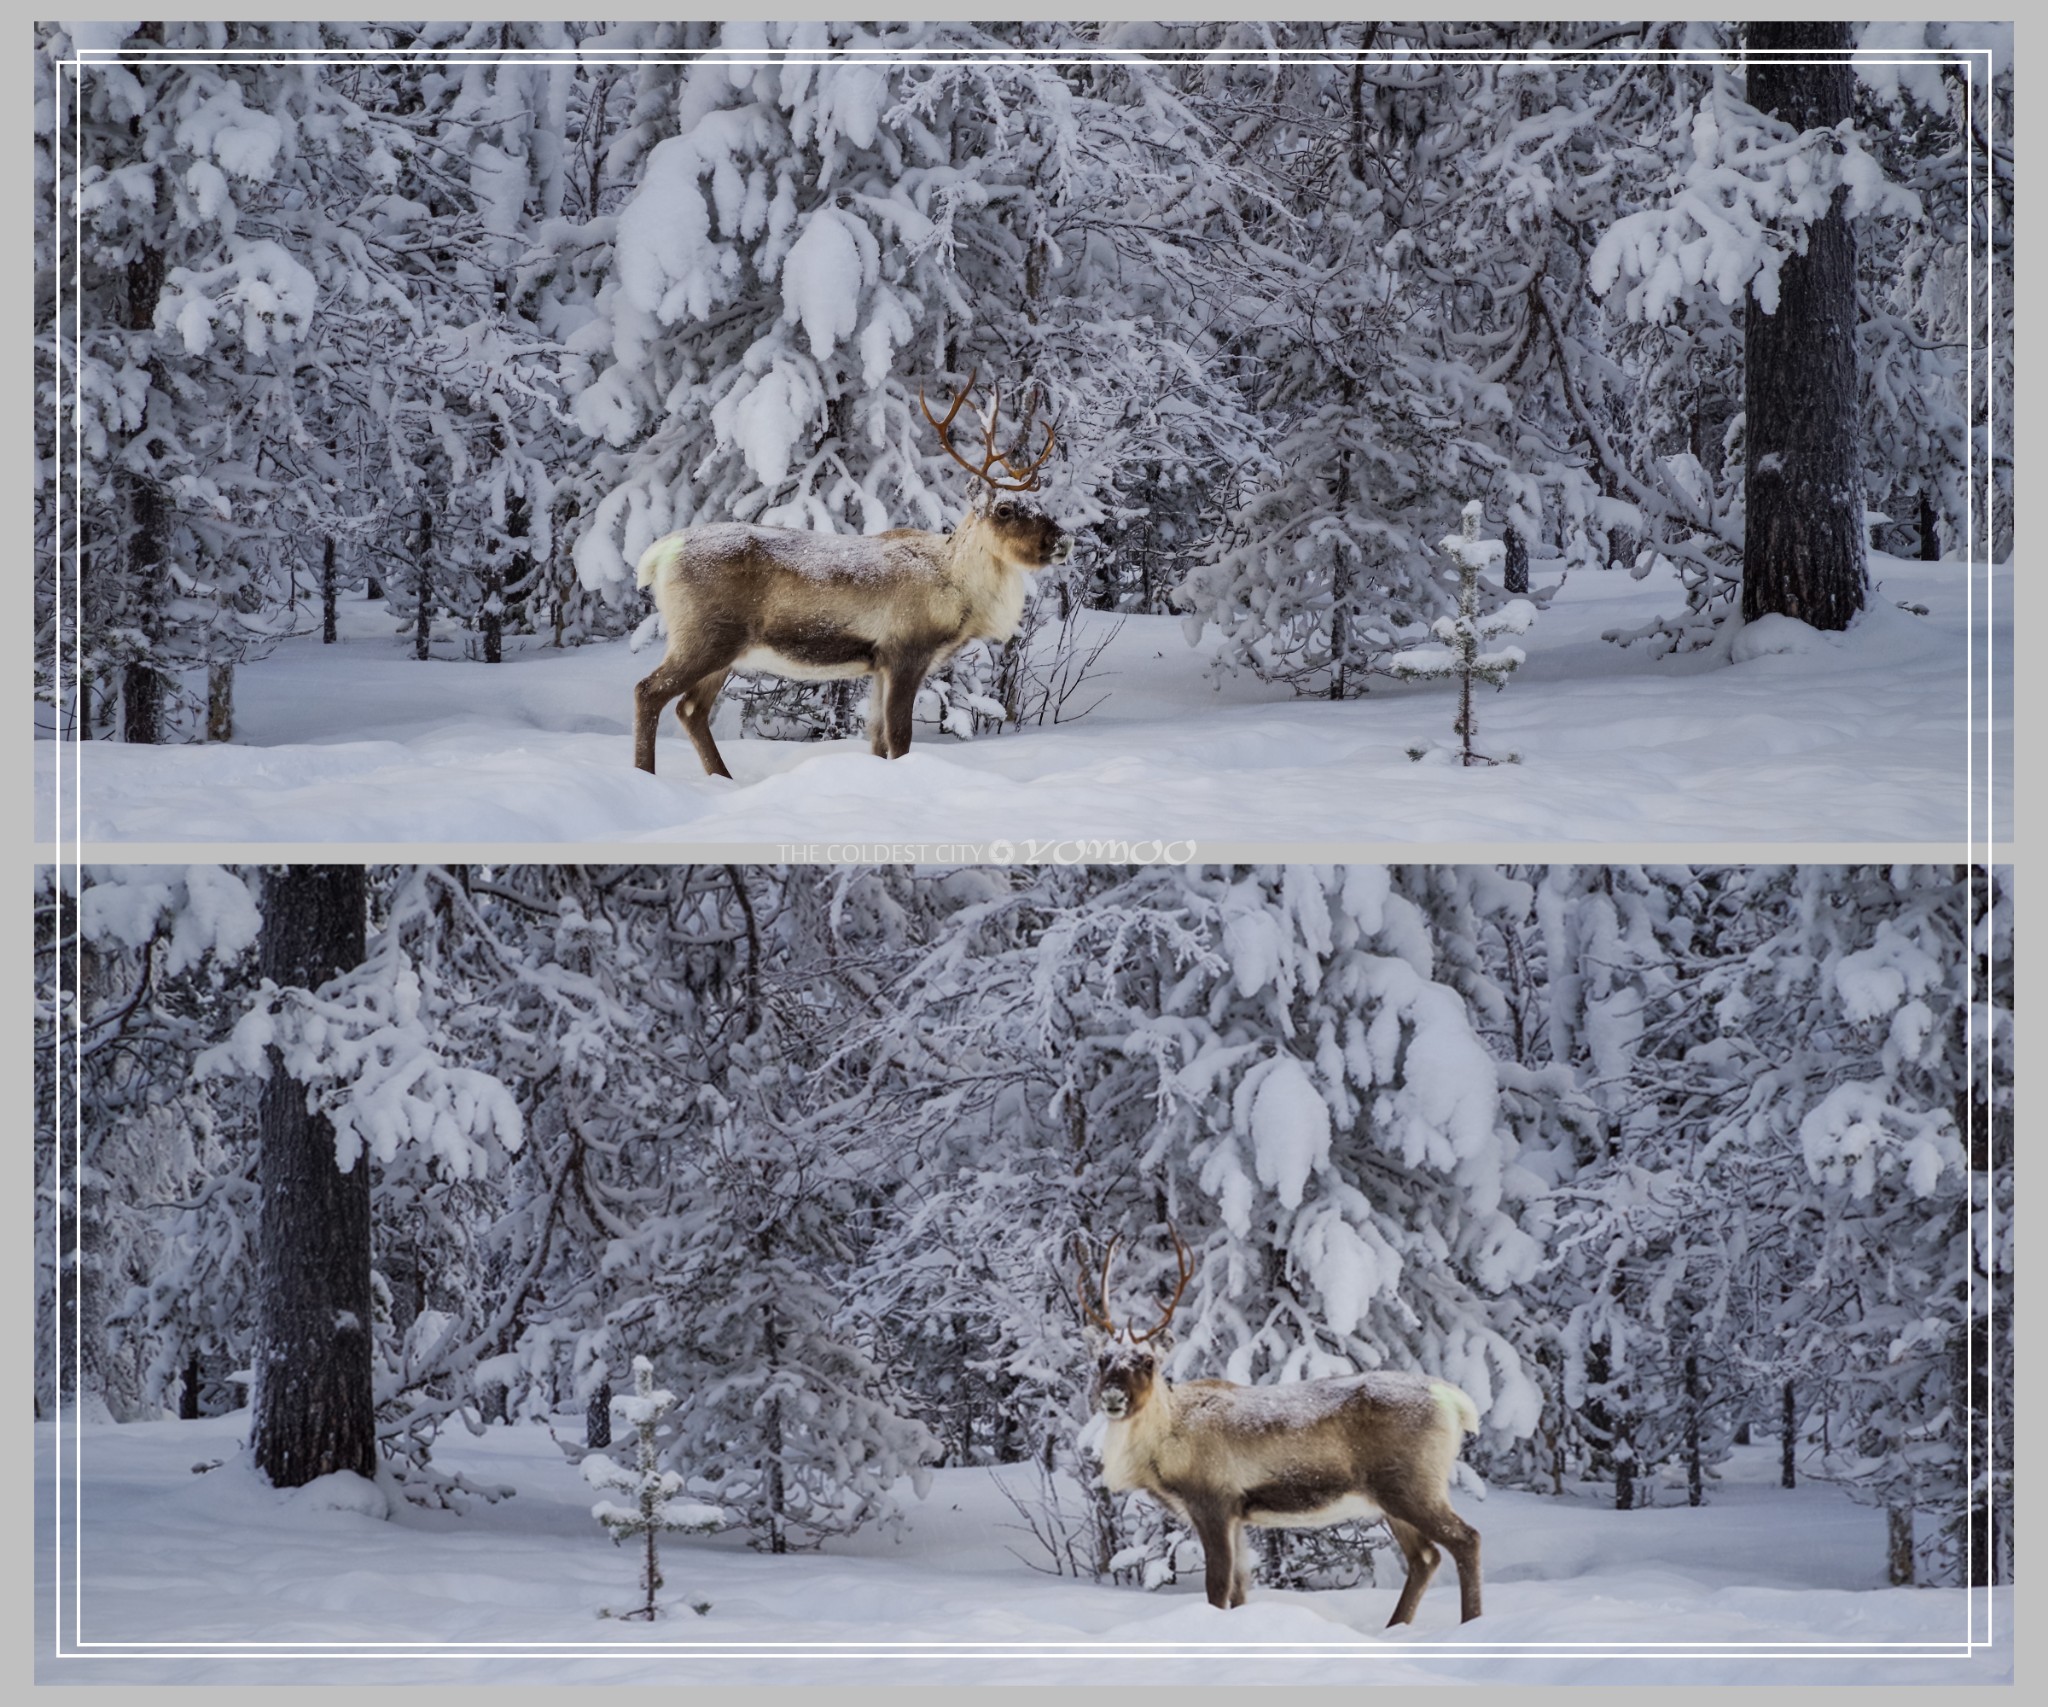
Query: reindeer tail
657,558
1457,1403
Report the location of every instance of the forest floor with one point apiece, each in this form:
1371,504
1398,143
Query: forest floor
1864,736
1760,1584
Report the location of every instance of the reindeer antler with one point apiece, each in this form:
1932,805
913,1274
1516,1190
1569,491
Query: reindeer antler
1099,1314
1023,479
1185,1261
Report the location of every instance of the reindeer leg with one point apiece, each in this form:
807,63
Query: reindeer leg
1219,1532
1241,1574
902,676
706,656
693,711
878,700
1422,1557
1462,1541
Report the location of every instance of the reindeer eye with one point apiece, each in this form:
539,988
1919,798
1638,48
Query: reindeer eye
1005,511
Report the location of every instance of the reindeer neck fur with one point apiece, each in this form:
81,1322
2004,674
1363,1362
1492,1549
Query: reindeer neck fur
991,584
1141,1450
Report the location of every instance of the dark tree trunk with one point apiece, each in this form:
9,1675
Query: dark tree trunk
423,587
1803,545
1930,537
1788,1443
1695,1475
148,516
327,594
597,1417
1516,574
491,618
314,1413
188,1397
1343,571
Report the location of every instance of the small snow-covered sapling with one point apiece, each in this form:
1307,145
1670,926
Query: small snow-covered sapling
655,1507
1454,649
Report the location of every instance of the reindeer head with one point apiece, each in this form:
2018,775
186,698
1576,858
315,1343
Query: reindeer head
1020,529
1124,1375
1126,1367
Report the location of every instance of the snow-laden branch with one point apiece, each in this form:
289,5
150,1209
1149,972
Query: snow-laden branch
367,1057
1738,207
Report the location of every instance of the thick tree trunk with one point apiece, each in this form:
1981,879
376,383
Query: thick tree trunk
314,1413
597,1417
1788,1443
1930,534
327,594
1803,543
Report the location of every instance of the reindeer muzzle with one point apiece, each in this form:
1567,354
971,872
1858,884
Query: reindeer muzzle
1065,549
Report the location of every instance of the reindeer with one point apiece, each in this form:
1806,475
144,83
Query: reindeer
1302,1455
818,607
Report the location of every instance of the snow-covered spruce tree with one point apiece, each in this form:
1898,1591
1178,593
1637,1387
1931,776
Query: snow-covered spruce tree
1409,279
655,1509
1458,637
984,1072
474,416
1882,1312
137,970
194,283
1915,292
693,1200
1637,1294
1773,1231
795,1422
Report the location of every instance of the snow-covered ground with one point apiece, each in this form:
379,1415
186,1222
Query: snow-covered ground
514,1592
1866,736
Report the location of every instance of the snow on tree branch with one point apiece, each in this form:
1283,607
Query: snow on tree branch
1737,208
368,1057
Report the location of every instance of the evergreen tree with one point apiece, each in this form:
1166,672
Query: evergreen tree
655,1509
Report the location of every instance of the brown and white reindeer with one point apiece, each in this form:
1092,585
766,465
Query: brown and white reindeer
1302,1455
821,606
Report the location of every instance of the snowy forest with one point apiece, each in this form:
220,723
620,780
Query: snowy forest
407,340
1670,1168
